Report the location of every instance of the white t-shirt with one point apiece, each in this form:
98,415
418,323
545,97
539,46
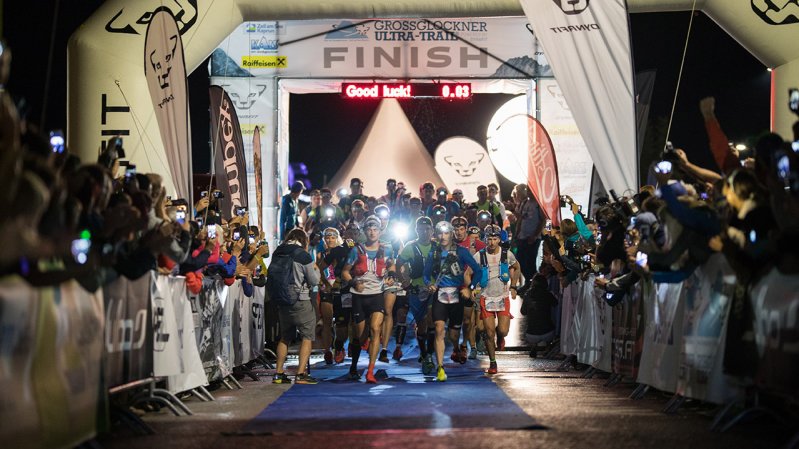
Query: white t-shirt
495,286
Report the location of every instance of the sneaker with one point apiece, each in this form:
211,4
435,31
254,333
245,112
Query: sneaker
383,356
473,354
328,357
463,354
492,368
305,378
441,376
339,356
370,376
365,345
428,366
353,375
420,359
281,378
397,354
455,356
500,343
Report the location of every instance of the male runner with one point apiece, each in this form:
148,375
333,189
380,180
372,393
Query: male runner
473,244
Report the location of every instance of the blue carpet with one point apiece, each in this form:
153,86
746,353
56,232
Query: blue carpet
403,399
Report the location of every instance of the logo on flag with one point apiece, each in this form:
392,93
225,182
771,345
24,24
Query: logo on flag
572,6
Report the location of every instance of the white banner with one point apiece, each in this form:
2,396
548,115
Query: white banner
708,295
257,323
464,164
165,69
391,48
663,336
570,327
587,42
191,374
166,344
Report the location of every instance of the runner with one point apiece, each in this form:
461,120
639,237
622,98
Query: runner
335,300
443,274
500,276
411,263
383,212
470,316
369,271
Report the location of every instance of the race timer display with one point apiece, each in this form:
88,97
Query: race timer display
454,91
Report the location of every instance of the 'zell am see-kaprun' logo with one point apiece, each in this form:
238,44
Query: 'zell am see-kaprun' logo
572,6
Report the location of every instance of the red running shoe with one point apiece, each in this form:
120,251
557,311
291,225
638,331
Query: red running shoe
328,357
463,354
500,343
455,357
397,354
370,376
365,345
339,356
492,368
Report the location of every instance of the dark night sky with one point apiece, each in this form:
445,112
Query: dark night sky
715,65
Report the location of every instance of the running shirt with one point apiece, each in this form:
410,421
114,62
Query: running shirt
495,287
466,243
451,268
409,255
372,285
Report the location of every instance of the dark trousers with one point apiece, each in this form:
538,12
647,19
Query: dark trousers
526,255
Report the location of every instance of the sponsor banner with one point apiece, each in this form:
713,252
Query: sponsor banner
775,300
191,374
166,344
208,325
256,161
571,323
708,294
257,323
393,48
628,333
229,325
575,165
230,165
20,305
587,42
464,164
242,316
165,70
594,343
663,335
128,340
542,170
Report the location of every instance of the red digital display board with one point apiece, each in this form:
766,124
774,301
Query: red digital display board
455,91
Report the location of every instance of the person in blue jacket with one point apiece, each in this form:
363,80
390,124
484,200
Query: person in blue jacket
443,275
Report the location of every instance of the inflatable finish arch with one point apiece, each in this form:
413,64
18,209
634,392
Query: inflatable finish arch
107,92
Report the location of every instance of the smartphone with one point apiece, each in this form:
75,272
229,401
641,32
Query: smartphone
203,194
218,194
641,259
703,196
57,141
130,172
241,211
563,201
211,231
663,167
793,100
633,220
783,167
587,258
580,208
180,216
548,226
80,250
236,235
200,221
251,239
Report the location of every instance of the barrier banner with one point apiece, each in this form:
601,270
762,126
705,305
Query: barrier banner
230,166
257,323
663,309
191,374
166,347
242,320
128,340
708,294
229,314
594,347
165,70
775,300
209,310
19,304
628,333
570,324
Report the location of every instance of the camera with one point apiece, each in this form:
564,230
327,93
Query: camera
241,211
57,141
641,259
203,194
793,100
218,194
236,235
180,216
563,201
80,248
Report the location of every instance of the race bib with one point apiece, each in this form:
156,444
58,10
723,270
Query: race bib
495,304
346,300
448,295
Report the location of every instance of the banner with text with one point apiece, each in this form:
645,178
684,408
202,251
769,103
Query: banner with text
230,166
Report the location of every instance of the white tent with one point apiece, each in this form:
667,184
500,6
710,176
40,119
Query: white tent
389,147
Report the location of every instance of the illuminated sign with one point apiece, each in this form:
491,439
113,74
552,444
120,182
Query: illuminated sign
457,91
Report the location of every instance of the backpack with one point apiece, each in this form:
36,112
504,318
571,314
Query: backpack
504,274
417,264
279,281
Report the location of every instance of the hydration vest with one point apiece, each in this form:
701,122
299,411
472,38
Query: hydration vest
504,272
364,264
417,264
449,266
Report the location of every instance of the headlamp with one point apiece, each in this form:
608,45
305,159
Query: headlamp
400,230
329,212
474,230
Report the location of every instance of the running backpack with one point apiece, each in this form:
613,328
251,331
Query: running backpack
417,264
280,276
504,273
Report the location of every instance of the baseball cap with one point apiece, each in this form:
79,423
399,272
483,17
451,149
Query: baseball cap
424,221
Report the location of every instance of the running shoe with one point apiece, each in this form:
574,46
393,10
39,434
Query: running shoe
305,378
328,357
455,356
481,346
370,376
420,359
365,345
397,354
473,354
428,366
463,354
353,375
492,368
441,376
500,343
281,378
383,356
339,356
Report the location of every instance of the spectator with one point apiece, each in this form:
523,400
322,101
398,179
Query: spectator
288,209
537,306
529,224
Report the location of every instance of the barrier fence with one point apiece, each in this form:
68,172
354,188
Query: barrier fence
63,348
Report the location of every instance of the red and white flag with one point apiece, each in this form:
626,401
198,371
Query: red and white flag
542,170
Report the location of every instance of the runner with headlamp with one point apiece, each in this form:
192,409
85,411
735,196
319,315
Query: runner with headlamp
443,275
473,244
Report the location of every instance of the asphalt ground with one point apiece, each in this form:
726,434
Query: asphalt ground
569,412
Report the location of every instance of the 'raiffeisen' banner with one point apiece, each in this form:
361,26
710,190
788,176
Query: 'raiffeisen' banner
391,48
